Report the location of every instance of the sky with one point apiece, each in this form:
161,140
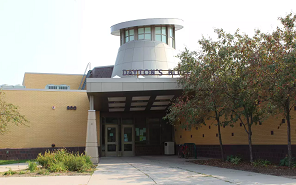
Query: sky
63,36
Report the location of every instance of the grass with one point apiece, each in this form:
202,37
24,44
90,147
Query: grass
3,162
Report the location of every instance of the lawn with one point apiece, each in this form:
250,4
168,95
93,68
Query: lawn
2,162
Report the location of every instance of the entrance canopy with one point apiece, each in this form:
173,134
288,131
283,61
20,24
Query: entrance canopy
132,94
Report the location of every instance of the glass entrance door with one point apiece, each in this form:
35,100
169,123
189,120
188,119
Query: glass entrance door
111,139
128,140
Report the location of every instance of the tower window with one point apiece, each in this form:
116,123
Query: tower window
160,34
144,33
129,35
171,38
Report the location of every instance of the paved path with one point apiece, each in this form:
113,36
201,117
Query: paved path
45,180
13,167
173,170
153,170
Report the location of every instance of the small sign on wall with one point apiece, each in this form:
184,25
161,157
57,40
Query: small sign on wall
71,107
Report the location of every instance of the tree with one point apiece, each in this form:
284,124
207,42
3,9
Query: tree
279,71
9,114
242,82
203,97
184,108
223,83
241,79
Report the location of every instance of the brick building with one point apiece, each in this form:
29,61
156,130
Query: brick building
117,110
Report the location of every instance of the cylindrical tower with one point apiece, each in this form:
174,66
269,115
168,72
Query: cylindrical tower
146,44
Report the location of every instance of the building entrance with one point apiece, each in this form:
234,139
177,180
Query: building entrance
128,140
131,134
111,138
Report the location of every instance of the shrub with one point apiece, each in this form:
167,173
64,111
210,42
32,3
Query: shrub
78,163
61,160
229,158
43,172
285,161
22,172
46,159
32,166
261,162
9,172
57,167
233,159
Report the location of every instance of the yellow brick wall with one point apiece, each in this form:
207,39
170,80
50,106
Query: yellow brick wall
64,128
261,133
39,80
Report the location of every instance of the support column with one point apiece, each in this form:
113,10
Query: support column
91,103
91,147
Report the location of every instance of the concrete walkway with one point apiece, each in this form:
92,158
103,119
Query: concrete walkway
13,167
153,170
173,170
45,180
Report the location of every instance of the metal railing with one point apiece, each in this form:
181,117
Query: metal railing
85,75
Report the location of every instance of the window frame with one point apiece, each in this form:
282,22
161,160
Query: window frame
173,44
161,34
144,33
129,35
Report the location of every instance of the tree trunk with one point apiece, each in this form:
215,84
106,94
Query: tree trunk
250,140
219,133
220,141
288,131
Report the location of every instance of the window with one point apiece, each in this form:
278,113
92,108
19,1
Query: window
52,87
129,35
141,131
63,87
144,33
171,37
141,135
57,87
160,34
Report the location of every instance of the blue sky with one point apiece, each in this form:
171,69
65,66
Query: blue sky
62,36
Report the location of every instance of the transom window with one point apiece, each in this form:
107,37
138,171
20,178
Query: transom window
129,35
144,33
160,34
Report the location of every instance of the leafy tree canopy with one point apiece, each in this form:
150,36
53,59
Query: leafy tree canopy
9,114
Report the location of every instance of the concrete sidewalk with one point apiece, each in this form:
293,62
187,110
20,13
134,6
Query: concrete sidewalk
13,167
153,170
173,170
46,180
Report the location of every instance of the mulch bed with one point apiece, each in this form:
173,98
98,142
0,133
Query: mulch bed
247,166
